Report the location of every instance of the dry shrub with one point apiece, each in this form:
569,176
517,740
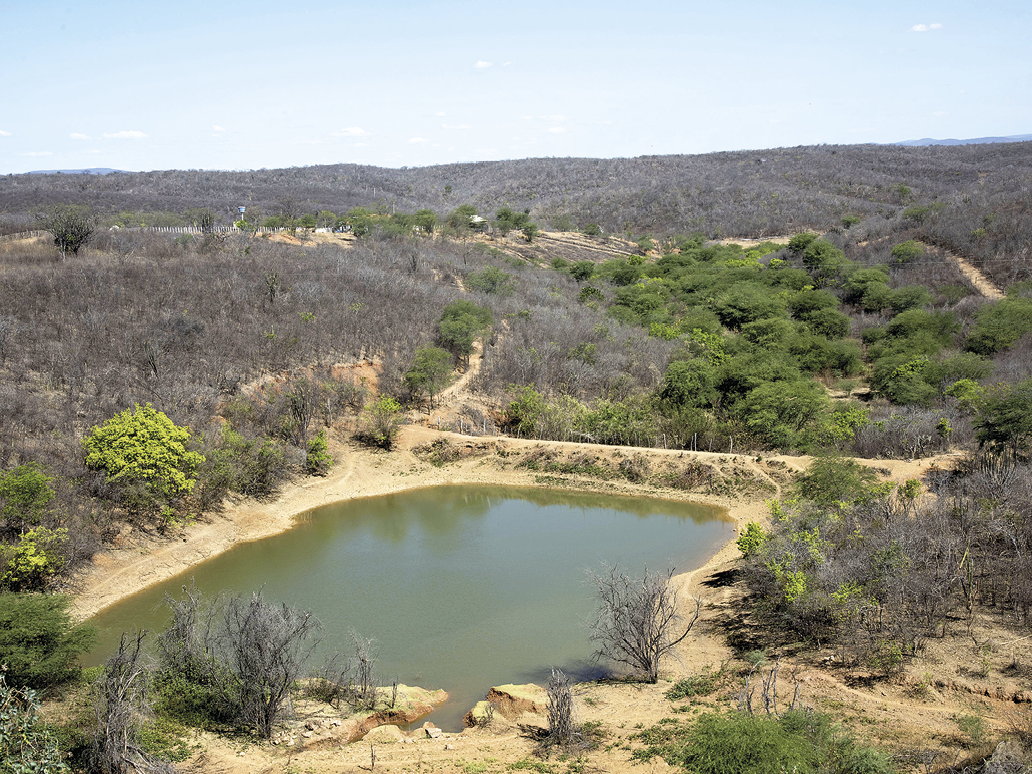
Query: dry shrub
636,468
690,476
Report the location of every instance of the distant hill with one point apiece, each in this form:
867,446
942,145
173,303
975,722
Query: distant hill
973,141
91,171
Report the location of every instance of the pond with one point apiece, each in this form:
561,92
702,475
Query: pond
463,588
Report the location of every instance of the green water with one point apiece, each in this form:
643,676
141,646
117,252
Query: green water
462,587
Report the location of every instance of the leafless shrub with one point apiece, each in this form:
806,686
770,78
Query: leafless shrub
562,728
638,622
249,651
120,701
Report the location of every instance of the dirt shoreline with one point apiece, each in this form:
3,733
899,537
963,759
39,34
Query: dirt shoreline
138,560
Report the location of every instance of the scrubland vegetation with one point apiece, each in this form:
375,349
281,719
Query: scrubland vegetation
145,375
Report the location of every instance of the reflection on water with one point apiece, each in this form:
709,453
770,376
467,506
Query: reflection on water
462,587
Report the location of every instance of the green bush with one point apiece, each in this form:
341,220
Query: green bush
318,459
750,541
25,492
145,455
907,251
26,744
831,479
696,685
999,325
38,641
489,280
802,742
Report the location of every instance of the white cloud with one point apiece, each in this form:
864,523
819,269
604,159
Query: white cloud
506,64
77,136
351,131
132,134
553,118
37,153
417,139
217,128
481,64
455,126
925,27
4,134
557,130
440,114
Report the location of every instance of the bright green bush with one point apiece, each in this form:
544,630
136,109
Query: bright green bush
29,563
998,325
145,455
750,541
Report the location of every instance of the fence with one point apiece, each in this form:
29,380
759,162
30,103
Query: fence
23,235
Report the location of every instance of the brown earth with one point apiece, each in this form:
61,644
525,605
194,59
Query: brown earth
982,671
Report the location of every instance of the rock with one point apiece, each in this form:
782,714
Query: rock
511,701
446,747
308,734
431,730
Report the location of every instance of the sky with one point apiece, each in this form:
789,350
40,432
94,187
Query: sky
249,85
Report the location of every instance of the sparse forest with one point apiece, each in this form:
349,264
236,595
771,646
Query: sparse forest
160,350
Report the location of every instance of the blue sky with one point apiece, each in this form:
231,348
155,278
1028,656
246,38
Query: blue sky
215,85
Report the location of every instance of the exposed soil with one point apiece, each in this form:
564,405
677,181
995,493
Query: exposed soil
982,670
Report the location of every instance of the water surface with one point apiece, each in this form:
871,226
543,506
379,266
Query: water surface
462,587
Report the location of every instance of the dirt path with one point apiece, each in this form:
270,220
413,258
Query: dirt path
978,280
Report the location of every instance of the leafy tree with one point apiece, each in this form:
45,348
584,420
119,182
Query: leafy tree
39,643
582,270
689,383
592,229
998,325
637,621
383,422
823,260
460,324
529,231
801,241
1005,418
145,455
460,217
72,226
780,411
425,221
431,369
25,493
746,302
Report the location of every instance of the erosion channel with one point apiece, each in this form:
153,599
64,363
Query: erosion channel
462,587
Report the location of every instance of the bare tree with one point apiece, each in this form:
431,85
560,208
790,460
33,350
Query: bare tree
120,701
250,652
638,622
265,648
72,226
